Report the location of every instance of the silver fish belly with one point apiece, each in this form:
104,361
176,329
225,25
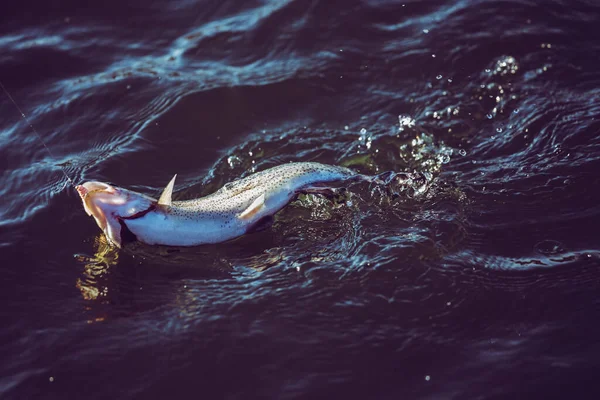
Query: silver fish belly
228,213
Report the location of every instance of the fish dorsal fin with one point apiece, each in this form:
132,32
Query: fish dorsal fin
253,208
165,197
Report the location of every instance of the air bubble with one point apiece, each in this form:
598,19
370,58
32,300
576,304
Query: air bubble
439,77
462,152
489,116
498,130
233,161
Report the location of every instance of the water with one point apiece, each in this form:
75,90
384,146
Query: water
481,284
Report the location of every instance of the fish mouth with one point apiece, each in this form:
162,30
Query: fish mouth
82,191
111,206
92,187
86,192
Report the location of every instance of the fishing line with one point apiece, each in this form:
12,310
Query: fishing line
36,132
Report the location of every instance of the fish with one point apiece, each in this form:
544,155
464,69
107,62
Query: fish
239,207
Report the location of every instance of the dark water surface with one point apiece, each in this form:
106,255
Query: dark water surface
483,284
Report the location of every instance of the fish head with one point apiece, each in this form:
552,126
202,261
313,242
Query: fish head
110,205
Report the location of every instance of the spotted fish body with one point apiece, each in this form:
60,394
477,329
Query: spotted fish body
230,212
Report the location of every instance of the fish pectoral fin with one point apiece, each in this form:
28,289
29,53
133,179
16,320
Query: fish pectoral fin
257,205
167,194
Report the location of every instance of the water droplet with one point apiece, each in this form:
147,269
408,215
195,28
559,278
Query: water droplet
449,80
489,116
433,55
498,130
438,77
427,378
488,70
462,152
233,161
516,111
363,131
425,30
346,127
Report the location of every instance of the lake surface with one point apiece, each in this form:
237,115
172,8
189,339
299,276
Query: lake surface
482,283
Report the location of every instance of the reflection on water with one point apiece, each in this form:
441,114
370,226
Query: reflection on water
92,283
